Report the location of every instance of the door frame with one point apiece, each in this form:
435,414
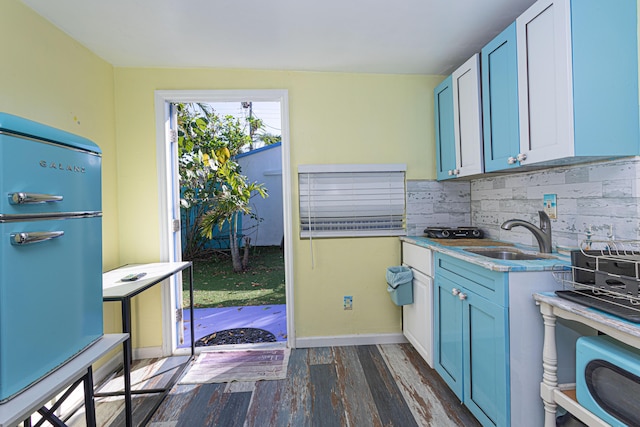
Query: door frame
162,99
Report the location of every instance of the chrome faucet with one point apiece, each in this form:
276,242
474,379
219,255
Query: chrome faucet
542,234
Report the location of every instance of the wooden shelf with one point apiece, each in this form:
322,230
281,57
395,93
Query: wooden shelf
571,393
566,397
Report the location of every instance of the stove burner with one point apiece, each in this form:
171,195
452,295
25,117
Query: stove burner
453,232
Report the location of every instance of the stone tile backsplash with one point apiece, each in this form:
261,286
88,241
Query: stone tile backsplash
433,203
600,195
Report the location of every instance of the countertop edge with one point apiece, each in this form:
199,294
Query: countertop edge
560,264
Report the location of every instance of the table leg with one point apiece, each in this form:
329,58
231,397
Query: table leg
549,365
89,402
128,356
193,344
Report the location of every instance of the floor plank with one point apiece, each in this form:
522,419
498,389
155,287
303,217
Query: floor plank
321,355
352,386
326,408
423,393
234,412
145,374
437,389
197,412
392,408
359,406
175,402
297,400
269,407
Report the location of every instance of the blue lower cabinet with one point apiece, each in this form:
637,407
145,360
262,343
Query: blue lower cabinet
448,343
471,344
485,360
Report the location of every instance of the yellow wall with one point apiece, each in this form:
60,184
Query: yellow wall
334,118
48,77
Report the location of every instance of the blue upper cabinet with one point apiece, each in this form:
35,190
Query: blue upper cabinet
500,101
577,80
458,122
445,144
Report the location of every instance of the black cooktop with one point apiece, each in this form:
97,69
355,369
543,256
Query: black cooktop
453,232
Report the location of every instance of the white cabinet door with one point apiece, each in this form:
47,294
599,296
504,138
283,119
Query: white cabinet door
467,118
417,318
545,82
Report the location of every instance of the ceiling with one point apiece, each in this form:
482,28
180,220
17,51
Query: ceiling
364,36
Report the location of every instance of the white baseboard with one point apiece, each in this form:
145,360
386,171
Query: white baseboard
147,353
343,340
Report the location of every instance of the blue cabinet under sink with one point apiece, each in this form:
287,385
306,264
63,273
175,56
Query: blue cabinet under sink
488,336
471,330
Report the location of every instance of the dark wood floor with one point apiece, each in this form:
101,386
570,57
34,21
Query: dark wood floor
385,385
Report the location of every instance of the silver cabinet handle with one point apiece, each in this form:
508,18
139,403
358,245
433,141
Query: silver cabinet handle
30,198
512,160
19,239
450,172
455,291
462,296
521,157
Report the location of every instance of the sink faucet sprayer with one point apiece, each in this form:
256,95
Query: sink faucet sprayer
542,234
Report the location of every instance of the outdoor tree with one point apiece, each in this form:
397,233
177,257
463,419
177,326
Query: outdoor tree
269,138
214,192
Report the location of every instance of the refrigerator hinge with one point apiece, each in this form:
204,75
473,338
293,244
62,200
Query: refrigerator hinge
175,225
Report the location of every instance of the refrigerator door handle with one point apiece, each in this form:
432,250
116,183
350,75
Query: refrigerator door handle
30,198
20,239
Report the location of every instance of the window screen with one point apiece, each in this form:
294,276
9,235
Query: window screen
351,200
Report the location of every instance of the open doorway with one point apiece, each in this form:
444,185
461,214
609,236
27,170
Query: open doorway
230,169
170,193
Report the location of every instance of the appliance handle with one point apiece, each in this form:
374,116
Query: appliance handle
30,198
20,239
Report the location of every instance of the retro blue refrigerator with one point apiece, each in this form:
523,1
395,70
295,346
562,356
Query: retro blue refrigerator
50,250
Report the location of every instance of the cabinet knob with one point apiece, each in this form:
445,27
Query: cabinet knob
456,171
462,296
450,172
455,291
521,157
512,160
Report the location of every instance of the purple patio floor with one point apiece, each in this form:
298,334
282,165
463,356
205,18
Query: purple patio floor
272,318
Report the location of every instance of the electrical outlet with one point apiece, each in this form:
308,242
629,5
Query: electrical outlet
551,205
348,302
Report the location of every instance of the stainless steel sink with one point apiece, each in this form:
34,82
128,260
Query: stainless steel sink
508,254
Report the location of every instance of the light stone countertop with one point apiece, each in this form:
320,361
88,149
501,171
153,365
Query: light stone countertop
560,262
593,317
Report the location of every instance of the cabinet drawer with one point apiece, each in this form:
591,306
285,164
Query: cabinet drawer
418,257
492,285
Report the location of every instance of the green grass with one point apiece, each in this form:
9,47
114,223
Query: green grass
216,285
